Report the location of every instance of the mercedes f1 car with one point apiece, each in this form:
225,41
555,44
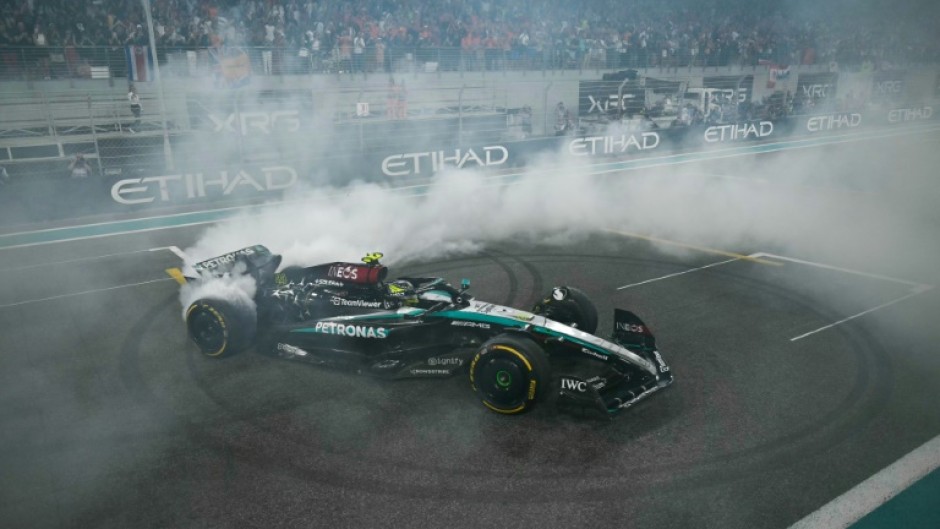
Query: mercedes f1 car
348,315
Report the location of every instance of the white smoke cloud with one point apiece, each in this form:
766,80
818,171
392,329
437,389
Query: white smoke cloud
237,287
831,205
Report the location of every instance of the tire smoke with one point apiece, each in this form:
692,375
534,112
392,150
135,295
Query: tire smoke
843,205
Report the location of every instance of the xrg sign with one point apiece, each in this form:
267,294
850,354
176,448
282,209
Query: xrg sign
602,104
603,97
718,95
731,88
189,186
256,123
817,90
817,86
887,86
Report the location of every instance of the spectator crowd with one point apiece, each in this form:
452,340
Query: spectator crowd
368,35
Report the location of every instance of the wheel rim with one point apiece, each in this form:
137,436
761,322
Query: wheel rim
502,382
207,331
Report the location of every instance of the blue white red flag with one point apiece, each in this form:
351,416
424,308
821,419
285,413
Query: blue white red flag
139,63
776,72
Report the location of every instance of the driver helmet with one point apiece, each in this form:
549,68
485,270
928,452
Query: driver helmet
403,291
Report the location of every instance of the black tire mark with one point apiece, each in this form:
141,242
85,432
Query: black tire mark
537,280
510,298
830,429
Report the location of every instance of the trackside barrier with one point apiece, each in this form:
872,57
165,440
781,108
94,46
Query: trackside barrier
213,184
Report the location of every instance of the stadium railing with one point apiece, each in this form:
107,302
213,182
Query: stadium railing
233,62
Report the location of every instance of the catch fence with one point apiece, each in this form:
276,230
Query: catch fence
200,128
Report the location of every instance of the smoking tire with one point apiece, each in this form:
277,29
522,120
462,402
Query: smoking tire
220,328
570,306
510,374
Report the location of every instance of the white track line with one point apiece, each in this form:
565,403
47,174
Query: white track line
137,219
52,298
916,288
844,270
175,249
678,273
134,231
875,491
915,292
76,260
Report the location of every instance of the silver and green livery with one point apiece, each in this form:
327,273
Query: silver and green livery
349,316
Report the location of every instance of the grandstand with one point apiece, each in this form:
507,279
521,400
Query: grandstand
61,39
245,76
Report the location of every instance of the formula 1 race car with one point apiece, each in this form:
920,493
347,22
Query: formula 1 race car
347,315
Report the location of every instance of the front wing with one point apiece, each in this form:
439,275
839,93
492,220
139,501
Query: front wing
618,388
609,394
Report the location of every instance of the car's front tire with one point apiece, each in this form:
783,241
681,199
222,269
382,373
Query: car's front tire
219,327
570,306
510,374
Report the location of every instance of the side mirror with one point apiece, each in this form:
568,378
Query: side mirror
464,284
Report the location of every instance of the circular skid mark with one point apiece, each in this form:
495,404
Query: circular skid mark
433,439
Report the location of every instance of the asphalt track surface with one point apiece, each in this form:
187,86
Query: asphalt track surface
112,419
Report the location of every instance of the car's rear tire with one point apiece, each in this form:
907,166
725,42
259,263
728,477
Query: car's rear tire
219,327
510,374
570,306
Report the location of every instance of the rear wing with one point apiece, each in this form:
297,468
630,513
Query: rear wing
258,261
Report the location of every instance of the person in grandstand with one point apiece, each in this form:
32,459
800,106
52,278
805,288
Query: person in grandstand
79,168
134,100
391,103
715,114
402,107
358,53
563,122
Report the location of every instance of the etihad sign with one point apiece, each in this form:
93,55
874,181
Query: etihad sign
190,186
910,114
414,163
592,145
738,131
833,122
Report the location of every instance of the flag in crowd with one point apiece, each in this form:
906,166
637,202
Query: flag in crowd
139,63
233,69
776,72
